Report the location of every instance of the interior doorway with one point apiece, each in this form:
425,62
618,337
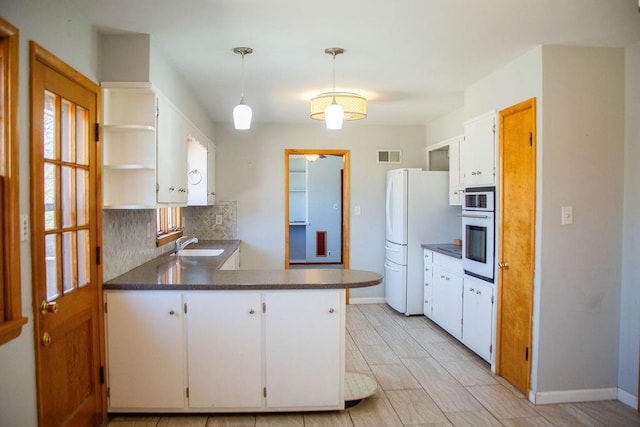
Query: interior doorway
516,240
316,208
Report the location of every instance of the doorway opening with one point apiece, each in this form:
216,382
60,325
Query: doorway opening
316,208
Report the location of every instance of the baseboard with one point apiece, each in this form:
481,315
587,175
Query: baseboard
628,398
567,396
370,300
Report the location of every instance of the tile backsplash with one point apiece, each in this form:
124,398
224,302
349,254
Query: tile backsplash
128,236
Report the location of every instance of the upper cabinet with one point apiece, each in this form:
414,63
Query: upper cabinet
477,152
145,151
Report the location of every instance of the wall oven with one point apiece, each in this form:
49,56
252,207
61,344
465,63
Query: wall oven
478,232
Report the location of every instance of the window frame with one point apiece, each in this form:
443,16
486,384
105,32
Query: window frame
10,287
169,226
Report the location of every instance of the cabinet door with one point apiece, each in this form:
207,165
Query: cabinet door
447,301
455,185
477,155
211,174
224,336
172,154
145,351
477,329
305,357
428,282
197,173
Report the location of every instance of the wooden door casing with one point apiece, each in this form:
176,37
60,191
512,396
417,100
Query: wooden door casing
69,388
517,216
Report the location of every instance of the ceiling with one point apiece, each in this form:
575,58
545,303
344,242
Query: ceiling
411,58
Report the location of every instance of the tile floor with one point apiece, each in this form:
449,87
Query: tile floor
425,377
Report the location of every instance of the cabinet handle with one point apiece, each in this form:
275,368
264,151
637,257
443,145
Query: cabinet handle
251,311
447,278
172,188
171,313
471,290
181,190
478,293
442,277
331,310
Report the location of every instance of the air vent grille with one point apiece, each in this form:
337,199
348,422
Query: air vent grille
390,156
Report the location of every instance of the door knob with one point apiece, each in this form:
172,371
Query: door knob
48,307
504,265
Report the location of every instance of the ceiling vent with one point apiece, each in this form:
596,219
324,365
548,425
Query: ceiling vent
390,156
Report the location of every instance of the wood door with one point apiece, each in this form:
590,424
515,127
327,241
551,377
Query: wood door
517,217
65,224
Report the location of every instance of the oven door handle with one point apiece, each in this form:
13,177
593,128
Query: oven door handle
473,216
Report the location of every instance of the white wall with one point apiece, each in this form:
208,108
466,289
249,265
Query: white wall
630,298
250,169
58,28
579,301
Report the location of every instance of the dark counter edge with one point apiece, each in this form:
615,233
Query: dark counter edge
435,248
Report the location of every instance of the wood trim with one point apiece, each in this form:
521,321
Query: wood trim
11,327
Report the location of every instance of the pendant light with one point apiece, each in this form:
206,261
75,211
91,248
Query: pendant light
335,107
242,112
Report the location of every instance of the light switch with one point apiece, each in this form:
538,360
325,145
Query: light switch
567,215
357,210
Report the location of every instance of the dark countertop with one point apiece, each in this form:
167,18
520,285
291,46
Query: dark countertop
168,272
448,249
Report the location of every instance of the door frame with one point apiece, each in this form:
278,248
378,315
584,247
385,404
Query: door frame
38,54
345,198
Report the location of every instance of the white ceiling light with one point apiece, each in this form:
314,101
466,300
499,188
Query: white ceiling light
242,112
334,107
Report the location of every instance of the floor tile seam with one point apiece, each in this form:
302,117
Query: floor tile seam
589,416
494,414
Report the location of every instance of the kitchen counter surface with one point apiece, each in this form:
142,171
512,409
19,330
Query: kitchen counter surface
445,248
169,272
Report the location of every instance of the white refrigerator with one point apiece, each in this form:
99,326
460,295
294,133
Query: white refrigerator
417,212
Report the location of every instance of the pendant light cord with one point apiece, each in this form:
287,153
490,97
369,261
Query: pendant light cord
242,74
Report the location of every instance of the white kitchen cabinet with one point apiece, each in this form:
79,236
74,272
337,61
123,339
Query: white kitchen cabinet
477,152
201,155
145,350
233,262
211,173
173,133
447,294
428,282
304,355
477,313
129,146
224,347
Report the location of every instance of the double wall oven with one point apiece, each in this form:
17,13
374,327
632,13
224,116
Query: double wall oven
478,232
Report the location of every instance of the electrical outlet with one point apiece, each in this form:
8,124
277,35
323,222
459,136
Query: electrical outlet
218,219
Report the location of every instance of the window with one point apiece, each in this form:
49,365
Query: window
168,225
11,319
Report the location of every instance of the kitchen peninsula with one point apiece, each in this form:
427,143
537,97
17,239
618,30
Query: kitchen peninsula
184,336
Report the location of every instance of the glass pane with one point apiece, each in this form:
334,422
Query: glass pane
69,274
82,136
50,188
49,125
68,197
84,268
82,195
66,131
51,262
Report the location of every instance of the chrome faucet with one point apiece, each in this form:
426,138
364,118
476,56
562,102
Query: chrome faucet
182,242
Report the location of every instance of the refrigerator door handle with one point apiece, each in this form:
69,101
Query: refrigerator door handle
389,248
390,267
388,208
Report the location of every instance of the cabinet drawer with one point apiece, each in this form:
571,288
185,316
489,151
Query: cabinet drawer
451,264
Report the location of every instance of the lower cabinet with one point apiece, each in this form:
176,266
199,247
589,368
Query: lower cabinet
146,357
224,348
447,300
477,312
460,304
225,351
